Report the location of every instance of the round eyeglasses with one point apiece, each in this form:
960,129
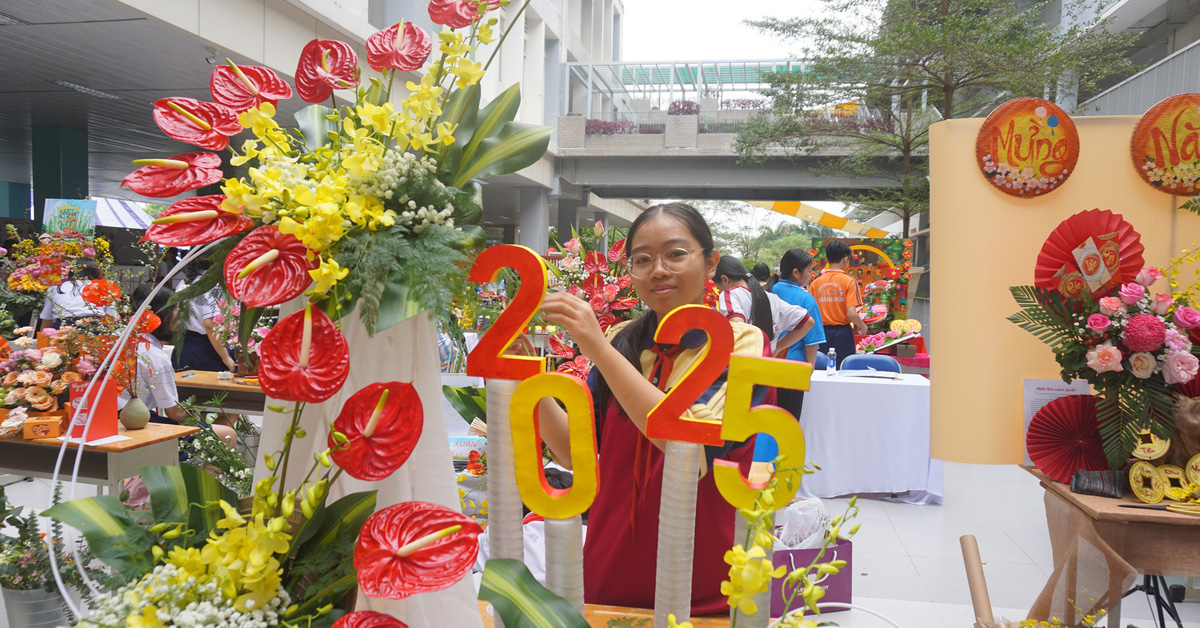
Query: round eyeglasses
642,265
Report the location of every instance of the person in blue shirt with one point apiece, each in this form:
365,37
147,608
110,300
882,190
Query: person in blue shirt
795,271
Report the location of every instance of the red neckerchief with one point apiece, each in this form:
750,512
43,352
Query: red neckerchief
660,373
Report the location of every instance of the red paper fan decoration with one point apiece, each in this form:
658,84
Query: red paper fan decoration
182,223
382,572
283,275
1123,250
376,451
1027,147
368,619
281,374
1164,145
1063,437
1190,389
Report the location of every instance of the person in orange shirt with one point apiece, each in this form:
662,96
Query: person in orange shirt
838,297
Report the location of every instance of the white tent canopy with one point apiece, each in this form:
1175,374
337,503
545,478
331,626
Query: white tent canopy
113,212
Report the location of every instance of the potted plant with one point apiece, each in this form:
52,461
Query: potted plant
31,597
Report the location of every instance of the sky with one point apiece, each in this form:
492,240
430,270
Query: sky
704,30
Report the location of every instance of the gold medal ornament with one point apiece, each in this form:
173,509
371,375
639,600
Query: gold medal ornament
1147,483
1149,446
1192,469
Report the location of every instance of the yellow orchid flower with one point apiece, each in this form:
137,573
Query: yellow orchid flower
258,119
326,275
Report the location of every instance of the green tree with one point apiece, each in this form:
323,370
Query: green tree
754,234
898,66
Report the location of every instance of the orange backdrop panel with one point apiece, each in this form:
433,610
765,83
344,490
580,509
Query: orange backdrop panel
986,241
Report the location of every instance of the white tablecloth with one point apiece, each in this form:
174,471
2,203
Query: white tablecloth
870,435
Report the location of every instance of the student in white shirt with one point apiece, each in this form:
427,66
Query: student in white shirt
202,348
744,300
64,303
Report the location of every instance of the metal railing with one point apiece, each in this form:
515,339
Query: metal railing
1175,74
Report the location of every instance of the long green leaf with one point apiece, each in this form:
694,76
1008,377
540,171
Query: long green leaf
468,401
521,601
337,530
462,110
111,531
516,146
168,493
314,126
396,305
501,111
246,324
204,493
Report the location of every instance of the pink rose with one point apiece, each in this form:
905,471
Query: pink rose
892,334
1187,317
1142,365
86,367
598,303
49,332
1148,276
219,319
1098,323
1105,358
1180,367
1162,304
610,292
572,246
1132,293
598,229
1177,341
1111,305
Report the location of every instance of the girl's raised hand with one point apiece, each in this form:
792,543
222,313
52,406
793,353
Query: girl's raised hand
576,316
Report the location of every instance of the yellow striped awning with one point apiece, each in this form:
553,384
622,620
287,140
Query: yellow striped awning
808,213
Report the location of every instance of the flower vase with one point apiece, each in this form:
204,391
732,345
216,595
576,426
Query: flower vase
135,415
33,609
405,352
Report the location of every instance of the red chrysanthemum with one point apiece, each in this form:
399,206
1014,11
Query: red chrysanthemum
1144,332
252,88
397,427
368,619
161,178
325,65
290,373
206,124
101,292
384,573
179,232
284,276
404,50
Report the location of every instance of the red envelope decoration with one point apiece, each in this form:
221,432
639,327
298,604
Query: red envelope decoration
383,422
295,370
403,46
160,178
247,86
368,619
1057,250
196,220
268,267
325,65
388,566
205,124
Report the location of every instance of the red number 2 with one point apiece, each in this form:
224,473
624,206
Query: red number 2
488,359
666,420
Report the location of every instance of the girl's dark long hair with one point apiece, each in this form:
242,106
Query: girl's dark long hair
795,259
760,309
630,340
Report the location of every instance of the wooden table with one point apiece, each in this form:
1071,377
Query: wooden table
105,465
204,386
1153,542
618,617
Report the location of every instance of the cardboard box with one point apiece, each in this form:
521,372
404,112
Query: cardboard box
837,587
50,427
906,351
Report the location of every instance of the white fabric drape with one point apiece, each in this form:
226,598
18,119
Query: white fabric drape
406,352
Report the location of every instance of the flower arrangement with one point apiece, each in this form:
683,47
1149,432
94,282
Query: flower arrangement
35,379
232,468
600,279
1131,346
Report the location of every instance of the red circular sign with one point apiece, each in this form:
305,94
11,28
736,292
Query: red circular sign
1166,145
1027,147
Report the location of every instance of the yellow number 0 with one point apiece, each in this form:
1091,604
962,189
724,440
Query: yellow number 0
740,422
549,502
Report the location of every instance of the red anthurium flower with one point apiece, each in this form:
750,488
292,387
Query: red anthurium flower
624,281
628,303
383,422
606,320
560,348
161,178
368,619
452,13
205,124
593,284
304,357
578,367
616,252
196,220
402,46
246,86
101,292
325,65
595,262
268,267
475,464
414,547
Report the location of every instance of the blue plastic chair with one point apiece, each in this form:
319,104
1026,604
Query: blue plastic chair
821,363
870,361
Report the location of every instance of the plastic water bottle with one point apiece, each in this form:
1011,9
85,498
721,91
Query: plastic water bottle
831,363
